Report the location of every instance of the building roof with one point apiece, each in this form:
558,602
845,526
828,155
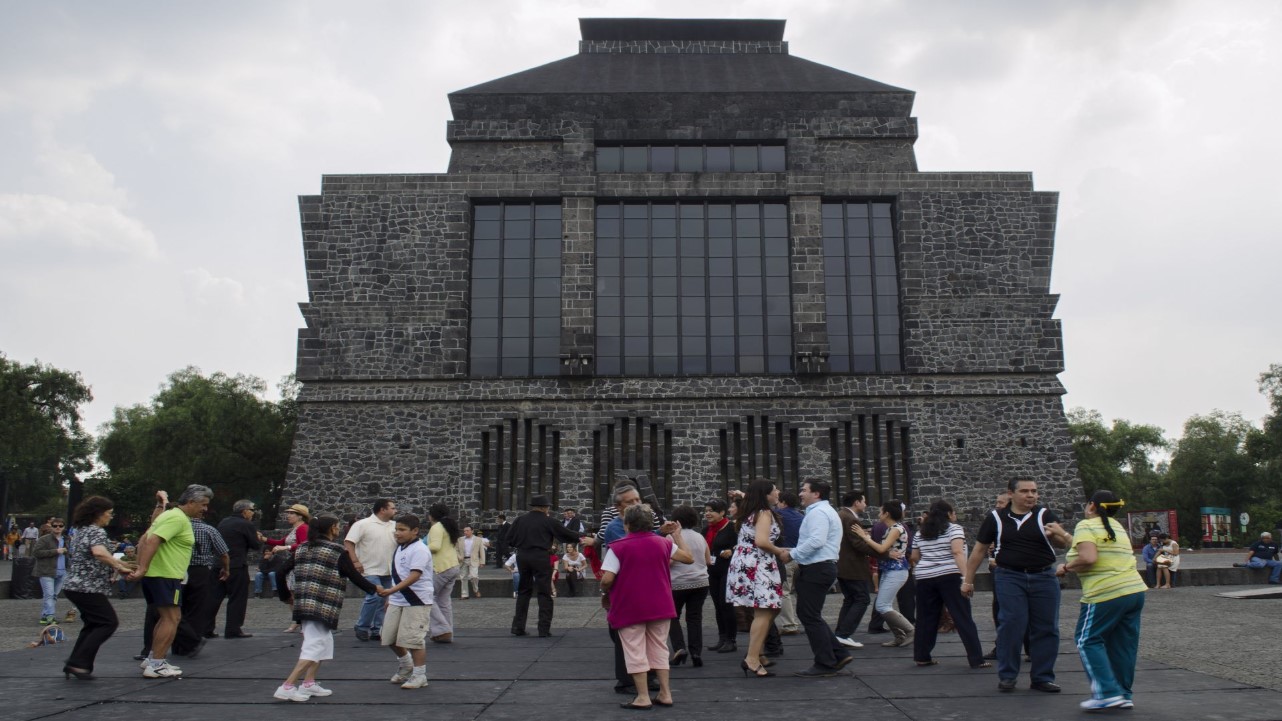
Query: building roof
603,73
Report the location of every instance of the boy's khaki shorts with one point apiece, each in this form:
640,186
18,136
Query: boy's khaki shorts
406,626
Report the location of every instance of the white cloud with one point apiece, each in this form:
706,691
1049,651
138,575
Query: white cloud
205,288
44,227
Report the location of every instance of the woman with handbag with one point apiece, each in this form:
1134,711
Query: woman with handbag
89,581
297,515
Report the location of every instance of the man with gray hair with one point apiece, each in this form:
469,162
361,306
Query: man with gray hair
163,556
241,537
1264,554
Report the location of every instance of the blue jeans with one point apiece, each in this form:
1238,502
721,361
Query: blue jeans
50,587
1027,602
258,581
371,618
1259,563
1108,640
888,588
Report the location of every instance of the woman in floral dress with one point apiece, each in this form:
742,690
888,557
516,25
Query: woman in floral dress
753,579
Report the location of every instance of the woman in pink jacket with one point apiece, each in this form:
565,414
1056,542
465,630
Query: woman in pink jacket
638,593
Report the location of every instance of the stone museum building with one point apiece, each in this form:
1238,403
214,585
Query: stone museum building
688,253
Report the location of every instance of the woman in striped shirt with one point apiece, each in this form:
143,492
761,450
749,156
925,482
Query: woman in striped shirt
939,557
1108,626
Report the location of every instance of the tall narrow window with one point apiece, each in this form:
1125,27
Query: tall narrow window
861,278
516,290
692,289
870,453
520,458
632,445
759,447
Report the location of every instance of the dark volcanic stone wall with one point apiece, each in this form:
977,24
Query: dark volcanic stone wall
388,407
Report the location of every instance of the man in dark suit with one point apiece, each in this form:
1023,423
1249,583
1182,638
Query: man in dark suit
241,537
501,546
534,535
572,522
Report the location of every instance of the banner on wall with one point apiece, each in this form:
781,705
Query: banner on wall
1141,523
1217,527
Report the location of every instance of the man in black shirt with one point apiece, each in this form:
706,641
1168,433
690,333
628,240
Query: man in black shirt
1264,554
533,536
501,545
241,537
1025,583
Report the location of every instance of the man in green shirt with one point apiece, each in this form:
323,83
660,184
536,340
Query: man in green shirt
163,556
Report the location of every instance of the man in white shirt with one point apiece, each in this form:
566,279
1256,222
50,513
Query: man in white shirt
471,556
370,543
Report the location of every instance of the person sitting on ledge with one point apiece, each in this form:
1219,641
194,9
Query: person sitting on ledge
1264,554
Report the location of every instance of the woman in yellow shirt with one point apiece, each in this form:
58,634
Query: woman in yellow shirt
1108,627
441,538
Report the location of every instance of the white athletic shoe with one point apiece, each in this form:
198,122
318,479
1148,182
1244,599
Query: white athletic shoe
1099,704
315,690
290,694
402,675
164,670
415,681
850,642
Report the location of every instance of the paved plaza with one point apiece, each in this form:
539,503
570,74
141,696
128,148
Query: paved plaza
1203,656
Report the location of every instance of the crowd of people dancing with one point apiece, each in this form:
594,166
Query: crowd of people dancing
767,560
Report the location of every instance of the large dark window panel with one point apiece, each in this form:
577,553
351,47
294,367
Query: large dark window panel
862,282
516,290
692,289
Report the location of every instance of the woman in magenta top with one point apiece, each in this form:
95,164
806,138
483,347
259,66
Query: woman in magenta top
637,591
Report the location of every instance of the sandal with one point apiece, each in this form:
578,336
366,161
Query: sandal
293,628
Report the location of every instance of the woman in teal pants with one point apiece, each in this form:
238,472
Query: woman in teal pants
1108,627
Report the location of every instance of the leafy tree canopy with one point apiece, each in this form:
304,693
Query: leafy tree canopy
42,444
216,430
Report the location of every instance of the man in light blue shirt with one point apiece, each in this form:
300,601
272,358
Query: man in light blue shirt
818,545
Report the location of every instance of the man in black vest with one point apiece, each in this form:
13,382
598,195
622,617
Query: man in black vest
241,537
533,536
1025,535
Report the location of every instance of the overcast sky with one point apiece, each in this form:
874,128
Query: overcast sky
151,155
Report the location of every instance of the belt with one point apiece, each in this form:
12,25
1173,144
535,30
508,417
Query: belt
1042,569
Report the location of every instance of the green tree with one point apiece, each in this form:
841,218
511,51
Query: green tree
1265,448
216,430
42,444
1211,467
1118,457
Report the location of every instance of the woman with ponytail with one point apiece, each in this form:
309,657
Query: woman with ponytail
1108,627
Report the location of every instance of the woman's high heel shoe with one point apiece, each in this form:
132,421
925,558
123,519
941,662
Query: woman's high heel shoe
759,672
78,673
679,657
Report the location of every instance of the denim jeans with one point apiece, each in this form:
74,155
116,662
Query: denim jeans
1274,575
1027,602
258,581
50,587
888,588
371,618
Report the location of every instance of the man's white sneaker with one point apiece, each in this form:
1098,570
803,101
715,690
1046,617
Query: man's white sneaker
164,670
315,690
1099,704
402,675
850,642
290,694
415,681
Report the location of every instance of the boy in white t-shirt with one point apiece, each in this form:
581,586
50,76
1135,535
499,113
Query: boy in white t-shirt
409,604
